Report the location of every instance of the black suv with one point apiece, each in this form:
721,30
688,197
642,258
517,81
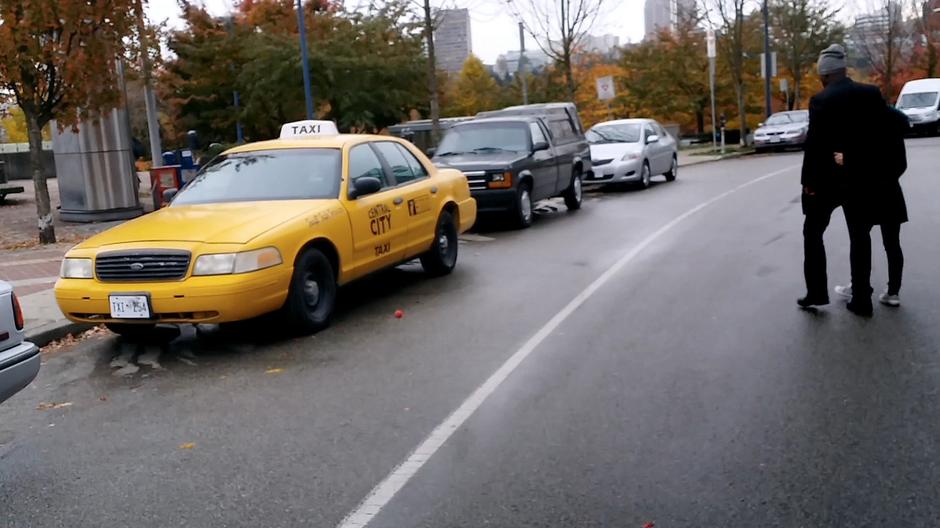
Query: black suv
515,159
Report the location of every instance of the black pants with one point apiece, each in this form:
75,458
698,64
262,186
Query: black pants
859,253
818,210
891,237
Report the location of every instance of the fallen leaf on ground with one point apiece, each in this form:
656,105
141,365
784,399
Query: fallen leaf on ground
188,445
274,371
45,406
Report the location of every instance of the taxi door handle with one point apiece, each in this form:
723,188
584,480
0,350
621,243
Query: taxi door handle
433,190
398,201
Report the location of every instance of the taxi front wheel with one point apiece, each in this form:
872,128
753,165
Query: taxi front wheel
442,257
312,294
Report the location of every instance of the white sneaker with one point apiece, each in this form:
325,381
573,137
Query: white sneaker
889,300
844,291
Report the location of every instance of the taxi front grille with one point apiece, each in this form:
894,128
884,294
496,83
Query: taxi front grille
142,265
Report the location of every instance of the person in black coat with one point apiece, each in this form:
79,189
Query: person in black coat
841,119
891,210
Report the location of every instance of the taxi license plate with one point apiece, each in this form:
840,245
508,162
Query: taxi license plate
130,306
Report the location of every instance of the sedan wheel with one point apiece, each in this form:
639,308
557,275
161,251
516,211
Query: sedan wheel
673,170
645,176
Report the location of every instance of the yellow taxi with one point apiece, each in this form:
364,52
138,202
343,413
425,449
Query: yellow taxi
268,226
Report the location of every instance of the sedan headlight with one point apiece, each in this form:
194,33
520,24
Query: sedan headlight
630,156
244,262
76,268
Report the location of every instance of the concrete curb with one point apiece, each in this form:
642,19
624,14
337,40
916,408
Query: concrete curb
730,155
44,334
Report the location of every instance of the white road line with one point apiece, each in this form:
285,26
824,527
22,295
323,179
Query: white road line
383,493
33,282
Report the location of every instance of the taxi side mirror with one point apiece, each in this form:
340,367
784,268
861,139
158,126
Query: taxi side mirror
364,186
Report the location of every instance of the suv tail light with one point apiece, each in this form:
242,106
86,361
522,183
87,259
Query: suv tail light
17,313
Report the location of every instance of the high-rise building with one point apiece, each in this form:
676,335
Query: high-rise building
666,14
603,44
507,64
452,44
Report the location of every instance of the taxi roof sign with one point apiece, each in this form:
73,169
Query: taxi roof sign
308,128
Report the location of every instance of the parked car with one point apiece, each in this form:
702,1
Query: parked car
550,111
632,151
419,132
920,101
19,359
271,226
783,129
515,160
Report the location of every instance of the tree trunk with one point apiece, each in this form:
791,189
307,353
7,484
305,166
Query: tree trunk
796,93
700,121
432,75
931,59
43,209
569,75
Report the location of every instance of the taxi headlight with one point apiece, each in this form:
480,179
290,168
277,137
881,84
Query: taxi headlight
228,263
76,268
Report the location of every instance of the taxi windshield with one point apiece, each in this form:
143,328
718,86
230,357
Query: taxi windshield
283,174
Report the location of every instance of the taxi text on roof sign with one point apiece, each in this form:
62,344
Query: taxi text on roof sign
309,128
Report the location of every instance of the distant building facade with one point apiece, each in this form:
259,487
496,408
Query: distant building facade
507,64
603,44
665,14
452,42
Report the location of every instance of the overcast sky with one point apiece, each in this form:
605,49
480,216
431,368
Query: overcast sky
494,31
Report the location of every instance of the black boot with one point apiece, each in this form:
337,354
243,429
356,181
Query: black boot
860,306
812,300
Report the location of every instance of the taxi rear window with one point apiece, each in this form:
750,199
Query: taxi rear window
277,174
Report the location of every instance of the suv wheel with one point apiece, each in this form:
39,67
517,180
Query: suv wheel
523,210
574,193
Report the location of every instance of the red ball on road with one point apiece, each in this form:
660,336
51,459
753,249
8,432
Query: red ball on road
399,314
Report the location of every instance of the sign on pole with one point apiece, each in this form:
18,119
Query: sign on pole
605,88
710,41
784,85
773,64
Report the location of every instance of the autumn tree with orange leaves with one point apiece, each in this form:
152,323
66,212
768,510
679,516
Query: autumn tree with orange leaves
59,62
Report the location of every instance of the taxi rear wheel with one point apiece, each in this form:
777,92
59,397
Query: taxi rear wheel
442,257
312,296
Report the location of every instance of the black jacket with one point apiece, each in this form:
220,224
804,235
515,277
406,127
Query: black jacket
845,117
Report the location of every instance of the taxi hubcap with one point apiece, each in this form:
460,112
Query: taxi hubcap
443,243
311,291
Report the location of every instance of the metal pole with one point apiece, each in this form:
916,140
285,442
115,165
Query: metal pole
767,64
308,92
150,101
239,133
521,69
711,84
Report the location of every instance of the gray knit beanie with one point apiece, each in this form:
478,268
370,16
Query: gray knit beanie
832,59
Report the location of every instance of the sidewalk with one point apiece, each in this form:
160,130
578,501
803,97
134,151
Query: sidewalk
695,156
33,269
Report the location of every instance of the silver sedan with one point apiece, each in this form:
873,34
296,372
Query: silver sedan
19,359
631,151
783,129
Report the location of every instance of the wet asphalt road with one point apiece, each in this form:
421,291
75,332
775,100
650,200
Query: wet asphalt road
687,391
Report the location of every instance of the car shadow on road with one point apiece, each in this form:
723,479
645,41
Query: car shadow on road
173,348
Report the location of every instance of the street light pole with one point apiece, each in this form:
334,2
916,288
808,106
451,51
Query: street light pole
710,44
308,92
521,69
767,62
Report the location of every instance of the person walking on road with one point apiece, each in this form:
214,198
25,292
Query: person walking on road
840,121
892,211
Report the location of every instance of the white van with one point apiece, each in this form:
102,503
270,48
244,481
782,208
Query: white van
920,101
